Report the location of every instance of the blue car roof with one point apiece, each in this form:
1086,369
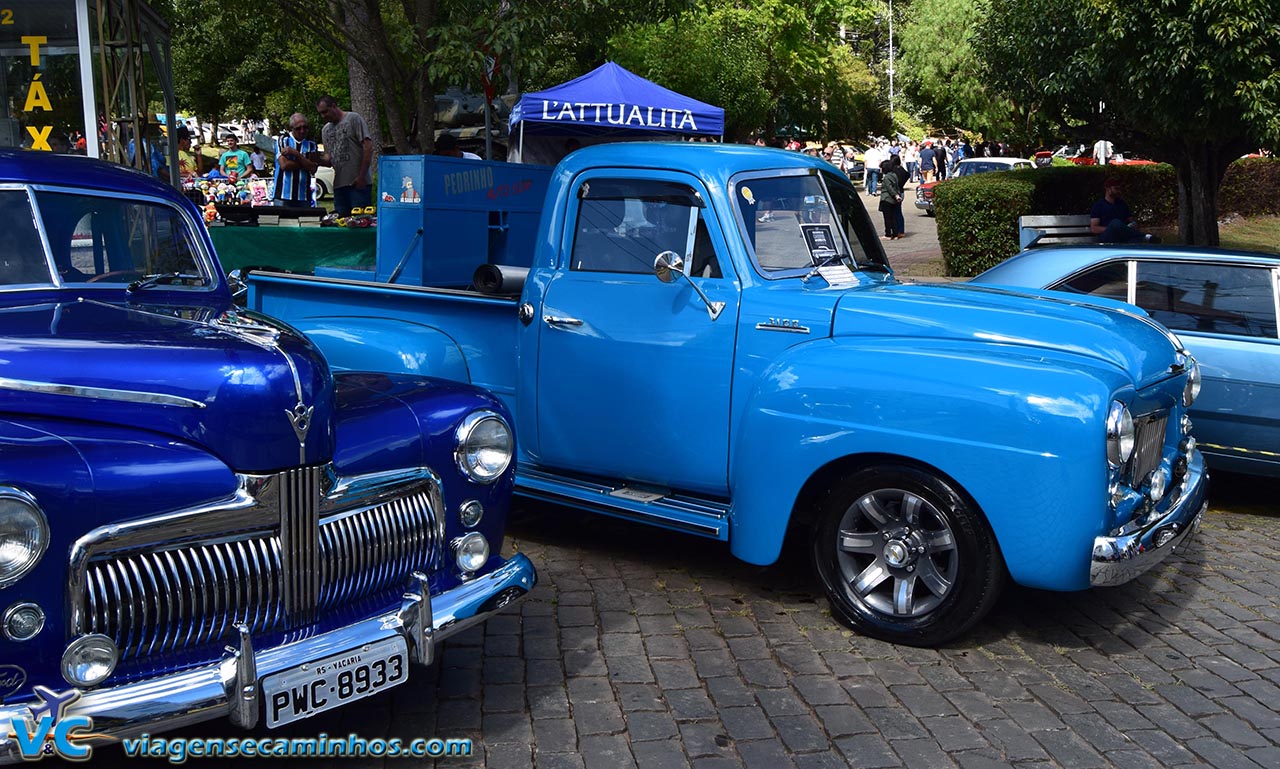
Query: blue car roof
32,167
708,159
1040,266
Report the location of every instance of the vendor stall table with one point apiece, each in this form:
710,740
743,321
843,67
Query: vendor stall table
298,249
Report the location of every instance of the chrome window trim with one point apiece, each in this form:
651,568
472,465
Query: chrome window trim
1275,295
203,255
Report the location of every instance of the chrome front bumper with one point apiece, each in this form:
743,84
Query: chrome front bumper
230,687
1120,558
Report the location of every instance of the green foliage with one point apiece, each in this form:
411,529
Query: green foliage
774,62
240,59
978,215
939,70
1251,188
977,219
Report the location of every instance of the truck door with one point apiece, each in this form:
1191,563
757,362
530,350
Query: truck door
633,373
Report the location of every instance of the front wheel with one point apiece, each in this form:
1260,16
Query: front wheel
904,557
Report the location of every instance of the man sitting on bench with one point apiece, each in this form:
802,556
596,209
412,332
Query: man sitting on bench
1111,220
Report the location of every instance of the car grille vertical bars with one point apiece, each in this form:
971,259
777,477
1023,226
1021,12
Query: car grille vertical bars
190,595
1148,446
300,541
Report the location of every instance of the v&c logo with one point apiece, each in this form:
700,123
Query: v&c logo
52,732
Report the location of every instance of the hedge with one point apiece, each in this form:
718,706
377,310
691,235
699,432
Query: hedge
1251,188
978,215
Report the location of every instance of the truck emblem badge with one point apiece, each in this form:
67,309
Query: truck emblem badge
783,324
300,418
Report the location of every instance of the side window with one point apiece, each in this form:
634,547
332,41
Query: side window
1110,280
22,258
110,240
623,224
1219,299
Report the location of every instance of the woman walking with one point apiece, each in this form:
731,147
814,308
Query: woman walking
890,201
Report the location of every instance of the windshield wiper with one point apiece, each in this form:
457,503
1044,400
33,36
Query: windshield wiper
147,281
823,262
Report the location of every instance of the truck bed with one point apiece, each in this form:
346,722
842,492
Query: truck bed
444,332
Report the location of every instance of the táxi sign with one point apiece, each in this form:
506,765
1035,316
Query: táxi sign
622,115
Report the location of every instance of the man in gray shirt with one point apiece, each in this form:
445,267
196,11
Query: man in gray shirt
349,149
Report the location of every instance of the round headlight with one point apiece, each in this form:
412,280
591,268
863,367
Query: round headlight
89,660
23,621
1159,484
484,446
24,534
1192,390
1120,434
470,513
472,552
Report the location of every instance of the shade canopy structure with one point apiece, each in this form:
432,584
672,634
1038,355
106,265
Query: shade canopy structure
609,103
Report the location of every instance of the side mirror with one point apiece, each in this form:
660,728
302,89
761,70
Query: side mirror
238,286
667,265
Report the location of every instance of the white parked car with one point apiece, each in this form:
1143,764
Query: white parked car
322,183
968,167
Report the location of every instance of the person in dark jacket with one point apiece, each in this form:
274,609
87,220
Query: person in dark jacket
896,168
890,199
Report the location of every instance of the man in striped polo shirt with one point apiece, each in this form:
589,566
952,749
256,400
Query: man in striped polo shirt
294,165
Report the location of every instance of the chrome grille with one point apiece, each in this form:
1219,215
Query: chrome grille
187,596
1148,449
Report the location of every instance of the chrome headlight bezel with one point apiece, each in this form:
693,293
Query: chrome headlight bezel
1192,389
17,501
467,451
1121,436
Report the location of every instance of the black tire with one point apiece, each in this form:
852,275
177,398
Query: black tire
904,557
322,190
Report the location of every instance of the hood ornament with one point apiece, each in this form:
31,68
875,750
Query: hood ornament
300,418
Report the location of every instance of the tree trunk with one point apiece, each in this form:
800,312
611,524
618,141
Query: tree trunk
364,100
424,18
1200,170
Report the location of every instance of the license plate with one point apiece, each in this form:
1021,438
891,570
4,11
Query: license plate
334,681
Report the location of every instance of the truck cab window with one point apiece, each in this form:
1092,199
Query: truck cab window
623,224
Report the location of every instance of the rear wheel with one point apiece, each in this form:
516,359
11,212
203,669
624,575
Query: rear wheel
322,190
904,557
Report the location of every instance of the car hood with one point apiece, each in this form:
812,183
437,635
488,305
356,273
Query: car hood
252,391
1132,342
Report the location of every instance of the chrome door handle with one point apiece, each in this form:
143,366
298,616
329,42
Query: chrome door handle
555,322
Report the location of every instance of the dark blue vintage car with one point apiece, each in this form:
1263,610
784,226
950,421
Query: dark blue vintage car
198,519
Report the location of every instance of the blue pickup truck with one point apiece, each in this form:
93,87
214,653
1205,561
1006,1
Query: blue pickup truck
198,518
710,339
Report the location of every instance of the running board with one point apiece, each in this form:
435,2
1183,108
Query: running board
694,515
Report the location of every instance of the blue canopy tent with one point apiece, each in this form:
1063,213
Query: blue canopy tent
608,103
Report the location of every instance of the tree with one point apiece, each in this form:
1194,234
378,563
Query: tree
775,62
939,72
1195,82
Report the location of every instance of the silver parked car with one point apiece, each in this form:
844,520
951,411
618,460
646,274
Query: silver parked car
1224,306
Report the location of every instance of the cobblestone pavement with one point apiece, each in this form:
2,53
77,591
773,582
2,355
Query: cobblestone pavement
645,649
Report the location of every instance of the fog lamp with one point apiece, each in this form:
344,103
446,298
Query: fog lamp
470,513
89,660
23,621
472,552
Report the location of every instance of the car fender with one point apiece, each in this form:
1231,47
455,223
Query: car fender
391,345
1018,431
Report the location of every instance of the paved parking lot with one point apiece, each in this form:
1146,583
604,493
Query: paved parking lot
646,649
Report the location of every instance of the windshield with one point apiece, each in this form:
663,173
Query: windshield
968,169
791,223
113,242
